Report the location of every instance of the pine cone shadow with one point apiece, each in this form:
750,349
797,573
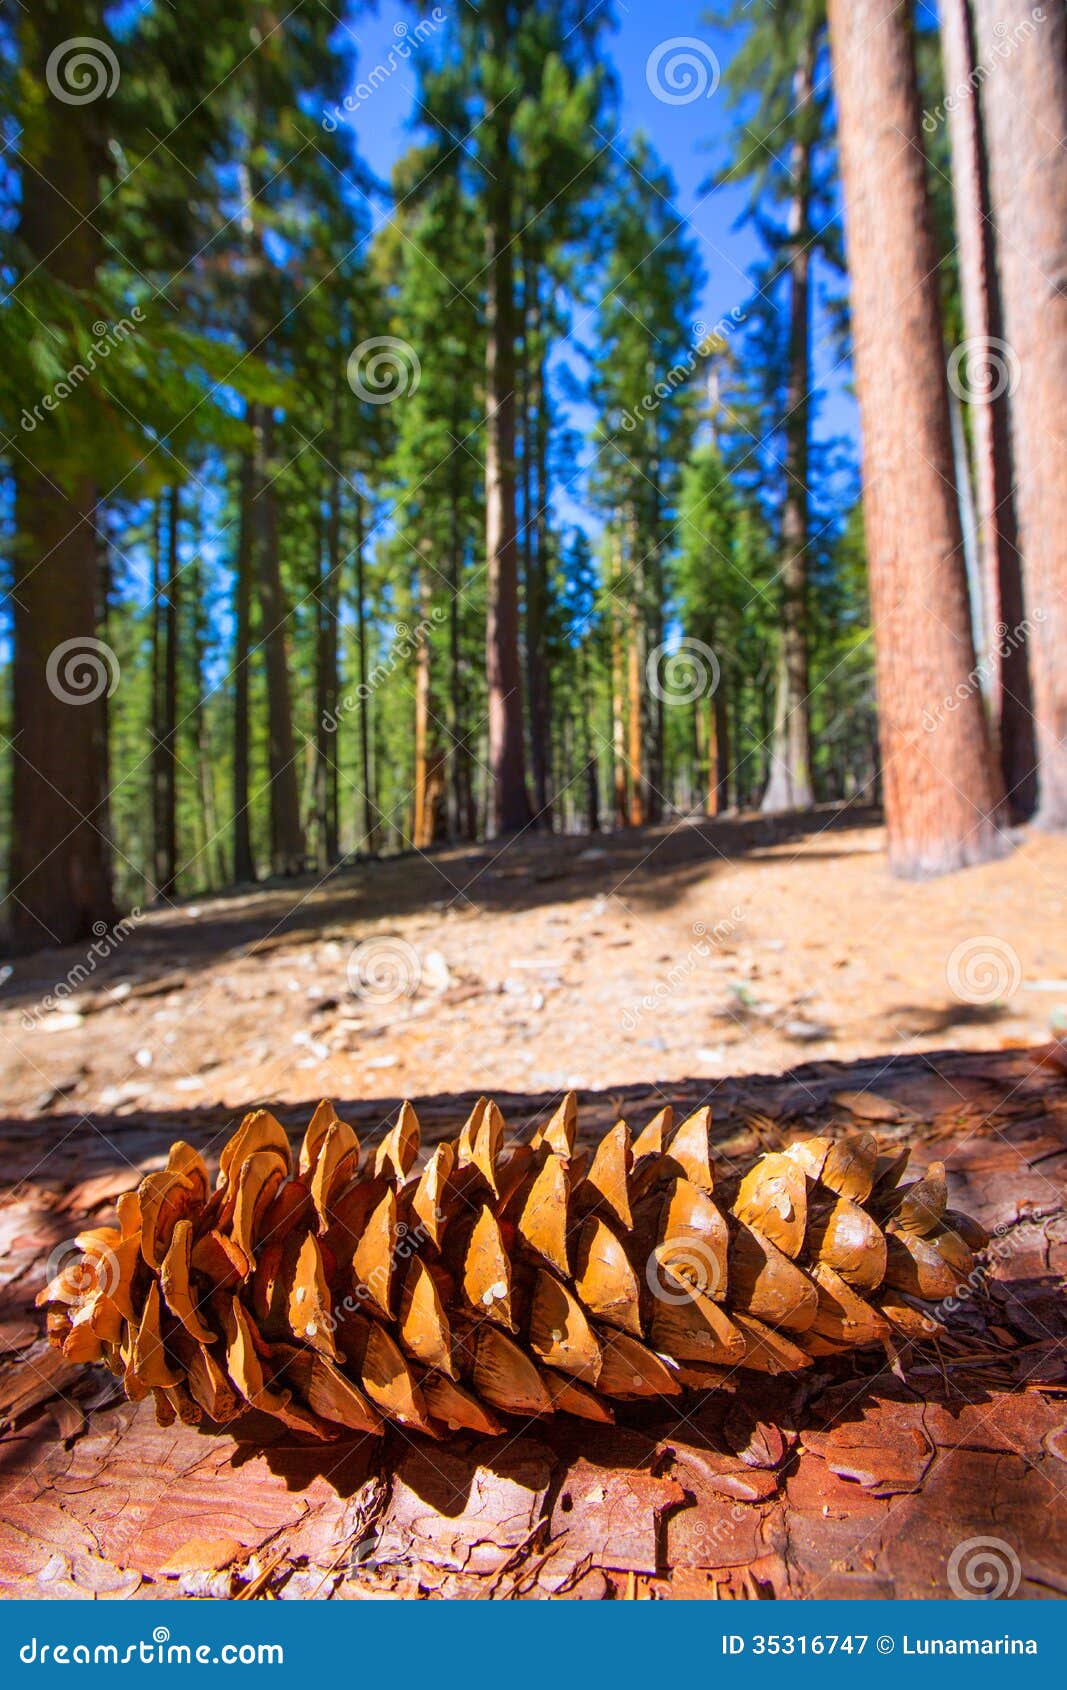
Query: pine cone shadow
737,1437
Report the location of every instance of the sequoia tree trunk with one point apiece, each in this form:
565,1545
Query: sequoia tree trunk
943,796
986,383
1024,113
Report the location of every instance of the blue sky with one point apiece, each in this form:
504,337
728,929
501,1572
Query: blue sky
690,138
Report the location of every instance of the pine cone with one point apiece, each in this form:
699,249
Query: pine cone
539,1279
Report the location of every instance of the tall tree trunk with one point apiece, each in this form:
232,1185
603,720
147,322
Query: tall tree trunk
210,848
286,832
165,749
1024,112
328,605
535,538
789,786
655,784
943,797
721,717
60,867
589,762
618,703
157,781
714,785
990,414
461,818
635,736
635,678
368,820
429,823
243,865
510,807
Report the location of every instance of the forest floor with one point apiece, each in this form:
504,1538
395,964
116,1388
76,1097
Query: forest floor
696,948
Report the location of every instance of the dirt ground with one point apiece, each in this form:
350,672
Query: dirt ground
734,947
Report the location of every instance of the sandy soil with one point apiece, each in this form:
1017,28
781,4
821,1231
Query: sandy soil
693,949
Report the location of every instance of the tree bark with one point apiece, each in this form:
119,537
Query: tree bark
1024,113
429,822
165,748
509,803
60,867
1000,567
327,613
635,737
368,810
461,818
652,633
210,848
286,832
943,797
618,705
243,865
537,677
789,785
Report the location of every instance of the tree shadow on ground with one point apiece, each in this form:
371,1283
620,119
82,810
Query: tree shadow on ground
656,866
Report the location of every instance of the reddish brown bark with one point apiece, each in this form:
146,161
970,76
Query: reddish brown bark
618,706
509,803
1024,110
429,820
1002,646
943,798
165,702
286,831
635,737
243,862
